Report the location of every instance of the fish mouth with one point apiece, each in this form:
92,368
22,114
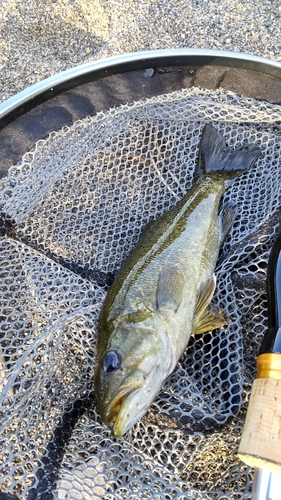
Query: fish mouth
130,385
124,421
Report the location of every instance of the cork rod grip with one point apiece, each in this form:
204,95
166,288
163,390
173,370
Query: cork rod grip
261,439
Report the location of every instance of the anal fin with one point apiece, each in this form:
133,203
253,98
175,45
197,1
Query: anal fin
207,318
227,218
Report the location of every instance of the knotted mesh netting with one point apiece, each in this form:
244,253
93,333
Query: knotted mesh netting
71,211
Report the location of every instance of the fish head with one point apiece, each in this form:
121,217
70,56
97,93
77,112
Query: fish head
130,372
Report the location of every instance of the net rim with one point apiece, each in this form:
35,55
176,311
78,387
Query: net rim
50,87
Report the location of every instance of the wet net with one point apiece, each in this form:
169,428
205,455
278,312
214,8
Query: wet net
71,210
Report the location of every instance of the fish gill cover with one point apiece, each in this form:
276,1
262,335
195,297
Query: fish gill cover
70,212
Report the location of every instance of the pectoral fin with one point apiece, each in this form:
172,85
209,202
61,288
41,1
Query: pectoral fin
170,287
206,318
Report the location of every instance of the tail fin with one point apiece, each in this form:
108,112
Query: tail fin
216,158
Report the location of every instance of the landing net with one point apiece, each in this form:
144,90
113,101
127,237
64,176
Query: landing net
71,211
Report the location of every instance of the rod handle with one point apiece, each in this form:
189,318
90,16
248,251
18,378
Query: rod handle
260,444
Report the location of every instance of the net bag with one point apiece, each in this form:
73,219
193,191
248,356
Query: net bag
70,212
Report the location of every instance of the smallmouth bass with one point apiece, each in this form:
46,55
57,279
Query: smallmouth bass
162,292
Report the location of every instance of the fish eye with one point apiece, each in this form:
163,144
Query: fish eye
111,361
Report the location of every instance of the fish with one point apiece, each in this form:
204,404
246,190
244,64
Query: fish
161,295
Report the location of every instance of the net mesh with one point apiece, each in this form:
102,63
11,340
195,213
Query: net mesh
71,210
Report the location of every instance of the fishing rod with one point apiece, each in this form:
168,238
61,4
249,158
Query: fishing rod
260,445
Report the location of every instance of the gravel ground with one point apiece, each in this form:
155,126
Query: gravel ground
39,38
